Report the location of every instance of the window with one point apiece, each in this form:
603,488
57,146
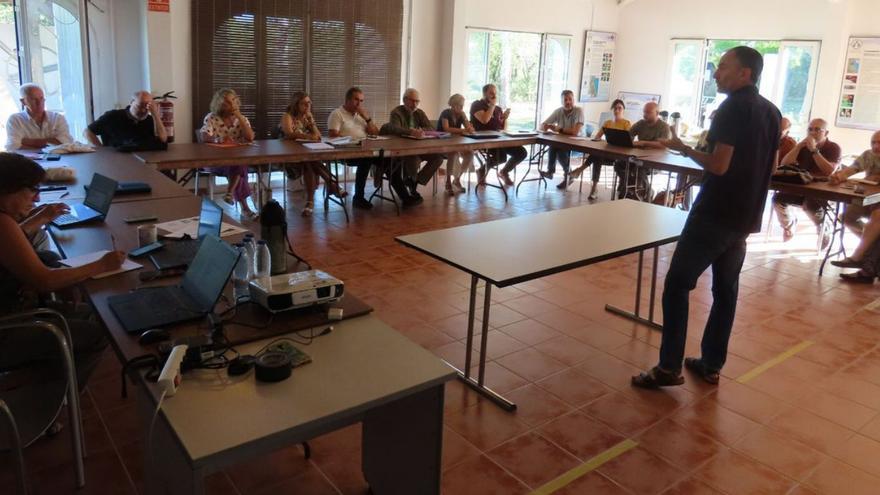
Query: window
787,80
267,50
45,49
523,66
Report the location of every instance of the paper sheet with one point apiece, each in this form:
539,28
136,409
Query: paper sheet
176,229
85,259
317,146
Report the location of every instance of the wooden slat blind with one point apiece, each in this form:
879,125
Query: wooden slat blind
268,49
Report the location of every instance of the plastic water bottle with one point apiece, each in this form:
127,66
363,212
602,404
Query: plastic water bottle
263,264
240,290
251,249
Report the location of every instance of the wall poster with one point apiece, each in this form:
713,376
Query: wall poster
859,104
596,71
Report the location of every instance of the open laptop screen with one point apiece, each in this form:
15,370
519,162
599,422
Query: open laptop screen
209,271
100,193
210,219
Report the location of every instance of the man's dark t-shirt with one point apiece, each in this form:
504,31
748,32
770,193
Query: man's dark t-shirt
750,124
118,128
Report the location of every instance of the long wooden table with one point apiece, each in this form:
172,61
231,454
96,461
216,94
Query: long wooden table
542,244
122,167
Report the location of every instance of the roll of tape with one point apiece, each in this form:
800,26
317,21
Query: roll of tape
273,367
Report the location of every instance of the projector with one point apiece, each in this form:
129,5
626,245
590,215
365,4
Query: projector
295,290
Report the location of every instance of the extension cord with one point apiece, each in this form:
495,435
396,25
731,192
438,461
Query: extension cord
169,379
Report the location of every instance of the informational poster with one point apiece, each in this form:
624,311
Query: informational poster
635,102
859,104
597,68
158,6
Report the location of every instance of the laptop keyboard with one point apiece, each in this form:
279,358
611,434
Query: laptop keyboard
64,219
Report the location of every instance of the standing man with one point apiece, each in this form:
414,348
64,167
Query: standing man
819,156
353,120
743,142
410,120
35,127
486,115
567,120
137,127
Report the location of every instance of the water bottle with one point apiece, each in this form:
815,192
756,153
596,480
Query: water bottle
240,290
273,229
251,249
263,264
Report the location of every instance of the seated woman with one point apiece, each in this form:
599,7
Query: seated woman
616,122
225,124
454,121
23,276
298,123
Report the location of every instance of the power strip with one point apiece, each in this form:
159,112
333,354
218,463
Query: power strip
169,379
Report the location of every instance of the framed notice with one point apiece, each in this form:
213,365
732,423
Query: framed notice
859,102
598,62
158,6
635,102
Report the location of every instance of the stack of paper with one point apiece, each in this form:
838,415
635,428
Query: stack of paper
317,146
177,229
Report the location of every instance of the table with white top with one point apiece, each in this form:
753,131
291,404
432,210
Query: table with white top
542,244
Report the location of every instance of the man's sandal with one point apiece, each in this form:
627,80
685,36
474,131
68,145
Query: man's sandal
656,378
699,367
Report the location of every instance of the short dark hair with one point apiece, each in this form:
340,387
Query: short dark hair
567,92
351,91
19,172
750,59
487,86
618,101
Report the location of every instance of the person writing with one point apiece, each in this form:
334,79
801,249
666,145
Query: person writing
24,276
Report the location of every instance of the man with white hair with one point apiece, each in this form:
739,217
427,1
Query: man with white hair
35,127
137,126
411,121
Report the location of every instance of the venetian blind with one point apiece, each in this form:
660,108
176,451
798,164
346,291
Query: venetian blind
268,49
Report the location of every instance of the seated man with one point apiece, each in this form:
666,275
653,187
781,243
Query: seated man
819,156
786,142
486,115
646,133
352,120
409,120
35,127
136,127
568,120
869,163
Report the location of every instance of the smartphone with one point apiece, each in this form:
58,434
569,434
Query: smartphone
149,248
138,219
52,157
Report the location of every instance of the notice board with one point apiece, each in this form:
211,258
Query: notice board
859,102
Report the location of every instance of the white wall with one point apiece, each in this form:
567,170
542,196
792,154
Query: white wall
646,26
170,57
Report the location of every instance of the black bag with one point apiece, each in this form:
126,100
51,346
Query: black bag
791,174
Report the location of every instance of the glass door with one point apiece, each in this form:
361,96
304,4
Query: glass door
685,79
9,77
554,73
52,45
795,80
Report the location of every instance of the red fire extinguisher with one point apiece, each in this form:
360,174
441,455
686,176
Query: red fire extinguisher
166,113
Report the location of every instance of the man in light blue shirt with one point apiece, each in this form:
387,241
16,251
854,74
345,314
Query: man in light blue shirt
35,127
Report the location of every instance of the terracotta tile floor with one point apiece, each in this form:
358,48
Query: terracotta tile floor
810,425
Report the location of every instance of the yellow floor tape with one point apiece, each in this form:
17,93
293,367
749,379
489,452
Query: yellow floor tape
576,472
757,370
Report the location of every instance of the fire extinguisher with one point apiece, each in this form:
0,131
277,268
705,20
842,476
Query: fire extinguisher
166,113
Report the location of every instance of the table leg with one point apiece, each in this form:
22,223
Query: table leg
402,444
465,375
635,316
836,226
166,467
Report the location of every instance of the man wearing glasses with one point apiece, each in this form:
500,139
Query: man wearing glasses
819,156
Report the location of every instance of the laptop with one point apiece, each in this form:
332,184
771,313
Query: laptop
618,137
130,188
95,207
202,285
177,254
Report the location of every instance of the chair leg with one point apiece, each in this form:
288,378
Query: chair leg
17,449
